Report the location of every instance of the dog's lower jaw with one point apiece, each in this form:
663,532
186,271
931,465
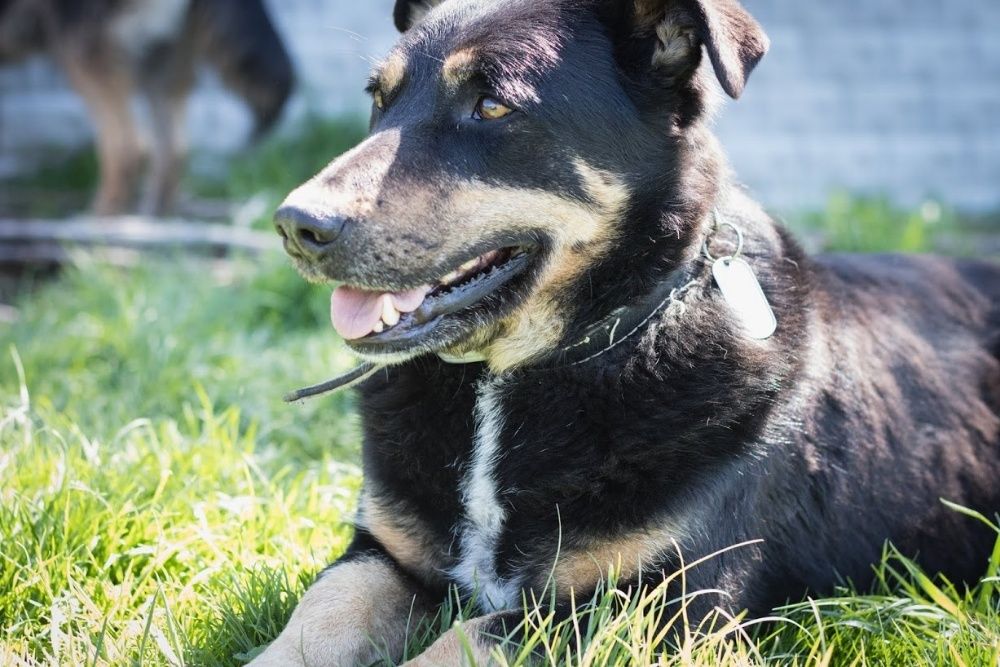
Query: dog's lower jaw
482,345
467,352
390,358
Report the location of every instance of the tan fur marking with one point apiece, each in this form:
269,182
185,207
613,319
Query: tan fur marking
458,67
345,615
583,234
392,72
356,197
407,541
450,649
581,569
675,38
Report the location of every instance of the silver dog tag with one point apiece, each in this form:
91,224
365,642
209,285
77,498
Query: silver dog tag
744,295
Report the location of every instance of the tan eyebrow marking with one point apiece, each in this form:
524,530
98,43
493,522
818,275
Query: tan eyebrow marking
458,66
392,72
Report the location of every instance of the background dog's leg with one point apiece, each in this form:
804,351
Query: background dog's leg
107,90
471,644
357,612
167,82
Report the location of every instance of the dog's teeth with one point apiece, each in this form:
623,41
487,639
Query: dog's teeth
379,327
389,313
473,265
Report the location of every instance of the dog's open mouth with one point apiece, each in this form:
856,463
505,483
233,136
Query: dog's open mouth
377,321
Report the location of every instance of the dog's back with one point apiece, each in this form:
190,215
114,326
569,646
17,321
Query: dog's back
902,399
939,298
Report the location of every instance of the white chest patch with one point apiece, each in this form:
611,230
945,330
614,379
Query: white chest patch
145,22
476,571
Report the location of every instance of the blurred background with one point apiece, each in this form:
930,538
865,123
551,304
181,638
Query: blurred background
888,98
154,489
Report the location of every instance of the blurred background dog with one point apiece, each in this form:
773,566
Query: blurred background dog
113,51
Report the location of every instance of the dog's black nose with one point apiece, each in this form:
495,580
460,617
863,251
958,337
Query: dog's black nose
306,233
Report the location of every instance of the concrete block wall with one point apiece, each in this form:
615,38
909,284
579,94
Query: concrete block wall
895,97
886,96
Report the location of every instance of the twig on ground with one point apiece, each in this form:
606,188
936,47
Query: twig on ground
131,231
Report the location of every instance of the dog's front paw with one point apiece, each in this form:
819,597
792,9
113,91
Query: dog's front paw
284,652
461,647
275,654
265,660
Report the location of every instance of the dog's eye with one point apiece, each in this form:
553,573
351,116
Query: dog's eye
489,108
379,100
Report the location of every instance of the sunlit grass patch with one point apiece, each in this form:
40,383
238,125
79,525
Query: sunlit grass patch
145,544
158,501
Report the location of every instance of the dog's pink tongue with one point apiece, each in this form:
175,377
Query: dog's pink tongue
355,312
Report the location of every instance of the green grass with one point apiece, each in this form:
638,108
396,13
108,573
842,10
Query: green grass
153,483
160,505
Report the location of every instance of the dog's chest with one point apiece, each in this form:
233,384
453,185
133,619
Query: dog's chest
537,474
507,474
481,527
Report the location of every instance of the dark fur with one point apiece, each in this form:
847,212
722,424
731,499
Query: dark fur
239,40
235,36
878,396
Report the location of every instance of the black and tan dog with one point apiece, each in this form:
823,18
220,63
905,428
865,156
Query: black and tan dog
114,50
571,382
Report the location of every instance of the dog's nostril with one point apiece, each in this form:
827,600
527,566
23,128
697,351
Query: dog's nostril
310,236
308,231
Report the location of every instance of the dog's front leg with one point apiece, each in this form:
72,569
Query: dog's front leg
473,643
357,612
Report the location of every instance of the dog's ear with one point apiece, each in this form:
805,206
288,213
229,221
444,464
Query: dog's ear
734,40
409,13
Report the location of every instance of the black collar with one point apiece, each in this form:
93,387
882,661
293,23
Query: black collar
623,323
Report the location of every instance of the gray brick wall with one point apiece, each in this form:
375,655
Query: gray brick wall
894,96
900,97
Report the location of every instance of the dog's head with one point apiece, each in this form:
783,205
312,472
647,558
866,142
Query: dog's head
529,167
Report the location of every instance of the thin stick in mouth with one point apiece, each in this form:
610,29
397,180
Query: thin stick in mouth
345,381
